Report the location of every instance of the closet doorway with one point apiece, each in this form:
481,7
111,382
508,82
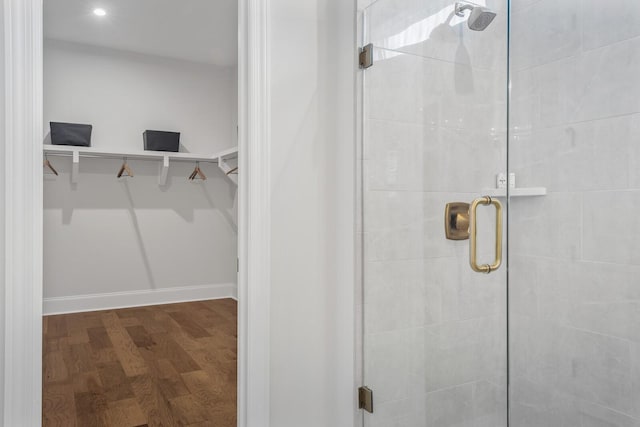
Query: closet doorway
140,218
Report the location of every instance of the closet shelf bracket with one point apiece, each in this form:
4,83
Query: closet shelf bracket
164,170
75,167
227,169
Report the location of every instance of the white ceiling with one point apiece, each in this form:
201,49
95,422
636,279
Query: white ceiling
194,30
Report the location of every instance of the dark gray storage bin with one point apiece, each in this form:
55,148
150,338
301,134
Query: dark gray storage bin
157,140
75,134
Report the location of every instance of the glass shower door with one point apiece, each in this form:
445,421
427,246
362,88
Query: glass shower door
433,133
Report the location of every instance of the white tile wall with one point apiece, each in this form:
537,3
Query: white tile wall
575,255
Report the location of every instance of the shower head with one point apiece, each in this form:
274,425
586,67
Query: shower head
479,18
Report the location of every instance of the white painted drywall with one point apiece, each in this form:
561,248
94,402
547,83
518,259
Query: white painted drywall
2,210
123,93
106,235
312,303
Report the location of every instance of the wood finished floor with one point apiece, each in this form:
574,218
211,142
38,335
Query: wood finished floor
163,365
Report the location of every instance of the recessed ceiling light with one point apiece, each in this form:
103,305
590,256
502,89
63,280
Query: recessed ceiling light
99,11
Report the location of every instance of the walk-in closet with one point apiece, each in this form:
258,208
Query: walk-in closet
140,217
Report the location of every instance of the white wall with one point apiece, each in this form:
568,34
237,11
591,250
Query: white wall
123,93
107,235
2,210
312,302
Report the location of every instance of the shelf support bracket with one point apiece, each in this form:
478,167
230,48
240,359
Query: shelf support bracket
75,167
164,170
224,166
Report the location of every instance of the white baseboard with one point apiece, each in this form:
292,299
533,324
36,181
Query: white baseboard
109,301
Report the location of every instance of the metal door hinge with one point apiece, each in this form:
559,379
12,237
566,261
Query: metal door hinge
365,399
366,56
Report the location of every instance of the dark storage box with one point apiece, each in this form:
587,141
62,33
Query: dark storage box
157,140
70,134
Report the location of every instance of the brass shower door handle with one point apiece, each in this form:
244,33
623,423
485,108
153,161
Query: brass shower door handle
461,224
473,235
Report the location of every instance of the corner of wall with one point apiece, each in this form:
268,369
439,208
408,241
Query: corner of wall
2,126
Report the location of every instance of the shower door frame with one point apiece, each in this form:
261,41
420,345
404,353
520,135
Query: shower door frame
359,217
23,209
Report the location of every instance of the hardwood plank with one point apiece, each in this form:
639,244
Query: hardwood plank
131,312
152,402
54,368
99,338
104,355
87,382
129,321
166,348
92,319
140,336
50,344
188,410
128,354
164,319
188,324
126,413
115,384
78,358
158,366
76,329
219,339
57,326
211,392
91,409
148,319
166,369
58,406
167,380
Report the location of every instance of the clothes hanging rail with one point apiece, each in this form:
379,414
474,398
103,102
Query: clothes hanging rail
165,157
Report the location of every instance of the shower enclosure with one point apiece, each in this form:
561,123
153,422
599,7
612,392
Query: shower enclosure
535,104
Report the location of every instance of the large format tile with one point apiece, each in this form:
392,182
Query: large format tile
464,351
537,405
432,30
544,31
408,88
393,153
582,365
611,227
609,22
586,156
387,366
396,296
548,226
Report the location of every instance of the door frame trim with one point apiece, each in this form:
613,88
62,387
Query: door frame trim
23,245
254,216
23,212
